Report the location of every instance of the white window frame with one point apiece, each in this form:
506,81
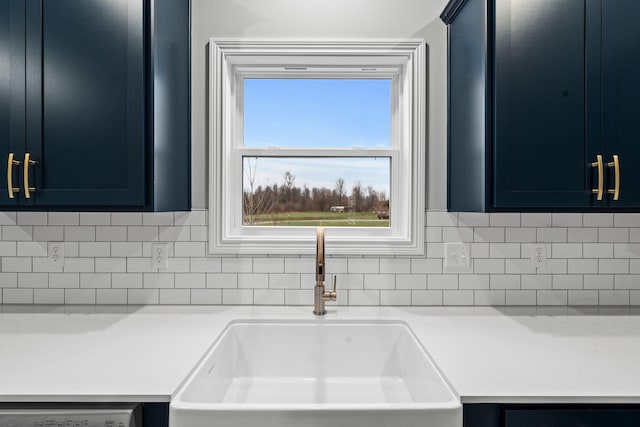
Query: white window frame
404,62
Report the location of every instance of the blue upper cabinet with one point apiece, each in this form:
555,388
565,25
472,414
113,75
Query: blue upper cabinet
542,95
79,113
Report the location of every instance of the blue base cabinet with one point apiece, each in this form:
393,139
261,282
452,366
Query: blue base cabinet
81,94
551,415
543,101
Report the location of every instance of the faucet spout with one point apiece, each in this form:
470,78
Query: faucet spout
320,295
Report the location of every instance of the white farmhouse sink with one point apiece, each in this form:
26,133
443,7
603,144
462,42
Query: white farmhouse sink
319,373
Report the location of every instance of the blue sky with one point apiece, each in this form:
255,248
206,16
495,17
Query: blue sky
314,113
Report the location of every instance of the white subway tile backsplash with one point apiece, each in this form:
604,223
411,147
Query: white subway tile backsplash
582,234
613,235
567,281
566,220
33,280
143,296
79,296
378,281
95,218
421,297
393,265
489,234
126,218
626,220
555,297
175,296
613,266
48,233
17,232
79,234
268,265
465,297
157,280
582,266
142,233
363,265
174,234
442,219
16,264
48,296
191,280
535,219
286,281
518,234
237,265
483,297
504,219
237,296
17,296
592,259
63,218
551,234
581,297
401,297
426,266
206,296
438,281
364,297
620,297
473,281
520,297
157,218
627,281
111,234
457,234
111,296
536,281
598,281
94,249
597,220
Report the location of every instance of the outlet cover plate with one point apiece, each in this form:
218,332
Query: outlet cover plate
457,257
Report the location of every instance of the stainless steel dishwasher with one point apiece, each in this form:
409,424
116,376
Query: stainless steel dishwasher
70,415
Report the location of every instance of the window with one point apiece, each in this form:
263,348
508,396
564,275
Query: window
304,134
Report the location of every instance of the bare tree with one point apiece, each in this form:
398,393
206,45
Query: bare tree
371,196
357,196
256,202
340,192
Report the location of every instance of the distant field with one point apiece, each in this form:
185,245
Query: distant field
326,219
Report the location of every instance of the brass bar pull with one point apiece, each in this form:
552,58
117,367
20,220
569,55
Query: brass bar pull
10,188
616,172
27,162
600,190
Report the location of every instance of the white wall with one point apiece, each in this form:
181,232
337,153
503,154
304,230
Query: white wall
322,19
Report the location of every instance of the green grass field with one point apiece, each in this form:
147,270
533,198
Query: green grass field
325,219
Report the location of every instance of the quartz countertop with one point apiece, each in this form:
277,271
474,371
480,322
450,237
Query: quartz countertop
142,354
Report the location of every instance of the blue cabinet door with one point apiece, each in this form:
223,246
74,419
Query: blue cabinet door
85,102
621,99
542,147
12,97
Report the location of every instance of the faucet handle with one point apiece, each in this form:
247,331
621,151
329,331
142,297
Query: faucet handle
332,295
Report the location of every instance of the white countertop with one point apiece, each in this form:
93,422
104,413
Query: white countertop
142,354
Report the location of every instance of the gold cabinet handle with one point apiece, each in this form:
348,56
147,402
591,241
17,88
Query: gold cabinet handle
10,164
27,162
616,173
600,190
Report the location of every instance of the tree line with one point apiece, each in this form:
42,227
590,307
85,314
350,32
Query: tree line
259,200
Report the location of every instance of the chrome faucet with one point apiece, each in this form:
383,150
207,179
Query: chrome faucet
320,295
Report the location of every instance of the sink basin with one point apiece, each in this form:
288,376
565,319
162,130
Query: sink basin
317,373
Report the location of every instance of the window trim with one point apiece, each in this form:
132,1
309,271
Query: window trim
232,60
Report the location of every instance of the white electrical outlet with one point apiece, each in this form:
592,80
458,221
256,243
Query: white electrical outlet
160,255
538,255
56,253
456,256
